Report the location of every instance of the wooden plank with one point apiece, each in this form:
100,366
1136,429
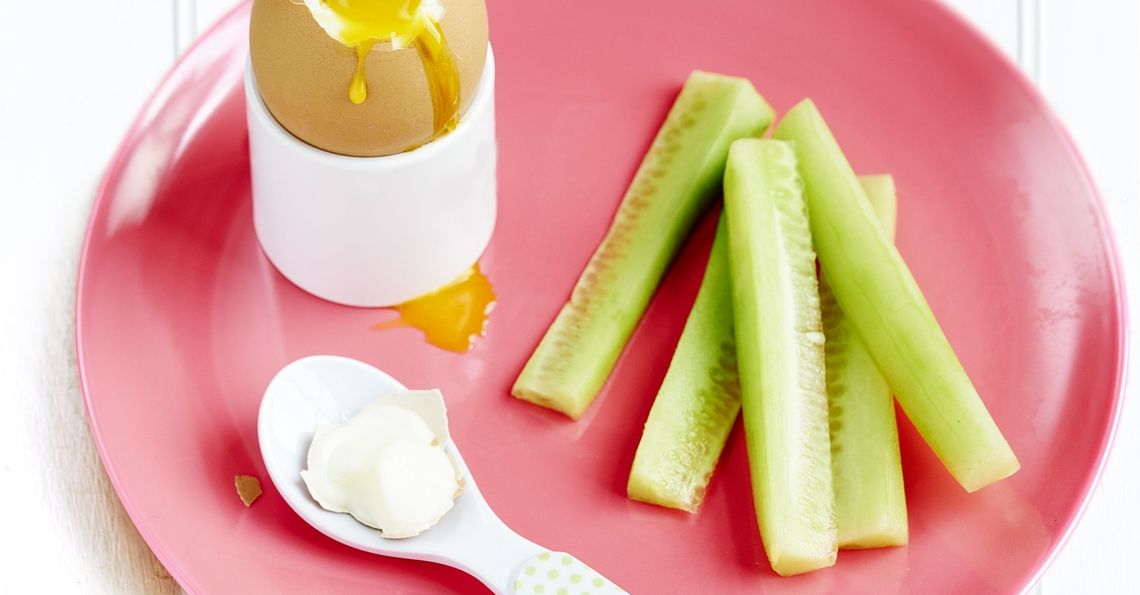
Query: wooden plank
1089,72
997,19
208,11
69,92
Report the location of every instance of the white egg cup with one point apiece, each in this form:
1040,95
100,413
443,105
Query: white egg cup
374,231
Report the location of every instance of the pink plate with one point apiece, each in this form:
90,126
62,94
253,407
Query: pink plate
182,321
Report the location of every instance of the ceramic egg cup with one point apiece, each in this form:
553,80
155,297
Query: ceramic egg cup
374,231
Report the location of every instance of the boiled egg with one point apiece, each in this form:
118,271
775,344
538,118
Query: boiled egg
387,466
367,77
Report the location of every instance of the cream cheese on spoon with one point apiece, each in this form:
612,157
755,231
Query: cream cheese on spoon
387,465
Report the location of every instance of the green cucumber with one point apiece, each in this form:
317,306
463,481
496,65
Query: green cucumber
779,346
870,504
677,180
879,295
698,401
880,191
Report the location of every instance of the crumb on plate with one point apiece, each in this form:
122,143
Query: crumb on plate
248,489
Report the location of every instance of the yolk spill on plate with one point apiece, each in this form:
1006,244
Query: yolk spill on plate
404,24
452,317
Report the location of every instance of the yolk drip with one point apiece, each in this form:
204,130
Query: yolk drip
358,89
443,81
363,23
451,317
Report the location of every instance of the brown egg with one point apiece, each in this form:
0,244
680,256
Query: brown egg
304,76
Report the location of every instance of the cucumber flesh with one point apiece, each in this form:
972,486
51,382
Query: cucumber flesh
878,294
697,403
870,504
779,343
676,182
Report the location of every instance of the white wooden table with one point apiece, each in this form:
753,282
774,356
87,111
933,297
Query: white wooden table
73,75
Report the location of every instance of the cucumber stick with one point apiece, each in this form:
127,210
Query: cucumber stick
779,345
870,504
698,401
881,299
677,180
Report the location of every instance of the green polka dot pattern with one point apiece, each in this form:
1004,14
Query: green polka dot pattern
560,573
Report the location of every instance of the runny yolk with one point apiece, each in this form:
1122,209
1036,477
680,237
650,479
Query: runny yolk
358,89
452,317
442,79
363,23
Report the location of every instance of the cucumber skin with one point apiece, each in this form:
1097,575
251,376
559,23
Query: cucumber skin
870,502
676,182
869,279
779,343
698,401
880,191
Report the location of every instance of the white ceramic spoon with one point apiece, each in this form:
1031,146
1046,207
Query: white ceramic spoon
470,537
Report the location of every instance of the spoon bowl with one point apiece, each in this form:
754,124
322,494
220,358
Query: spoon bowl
331,389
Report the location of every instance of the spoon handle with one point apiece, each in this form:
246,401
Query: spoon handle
508,564
559,573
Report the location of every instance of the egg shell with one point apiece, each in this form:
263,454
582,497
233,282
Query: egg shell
428,404
303,76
